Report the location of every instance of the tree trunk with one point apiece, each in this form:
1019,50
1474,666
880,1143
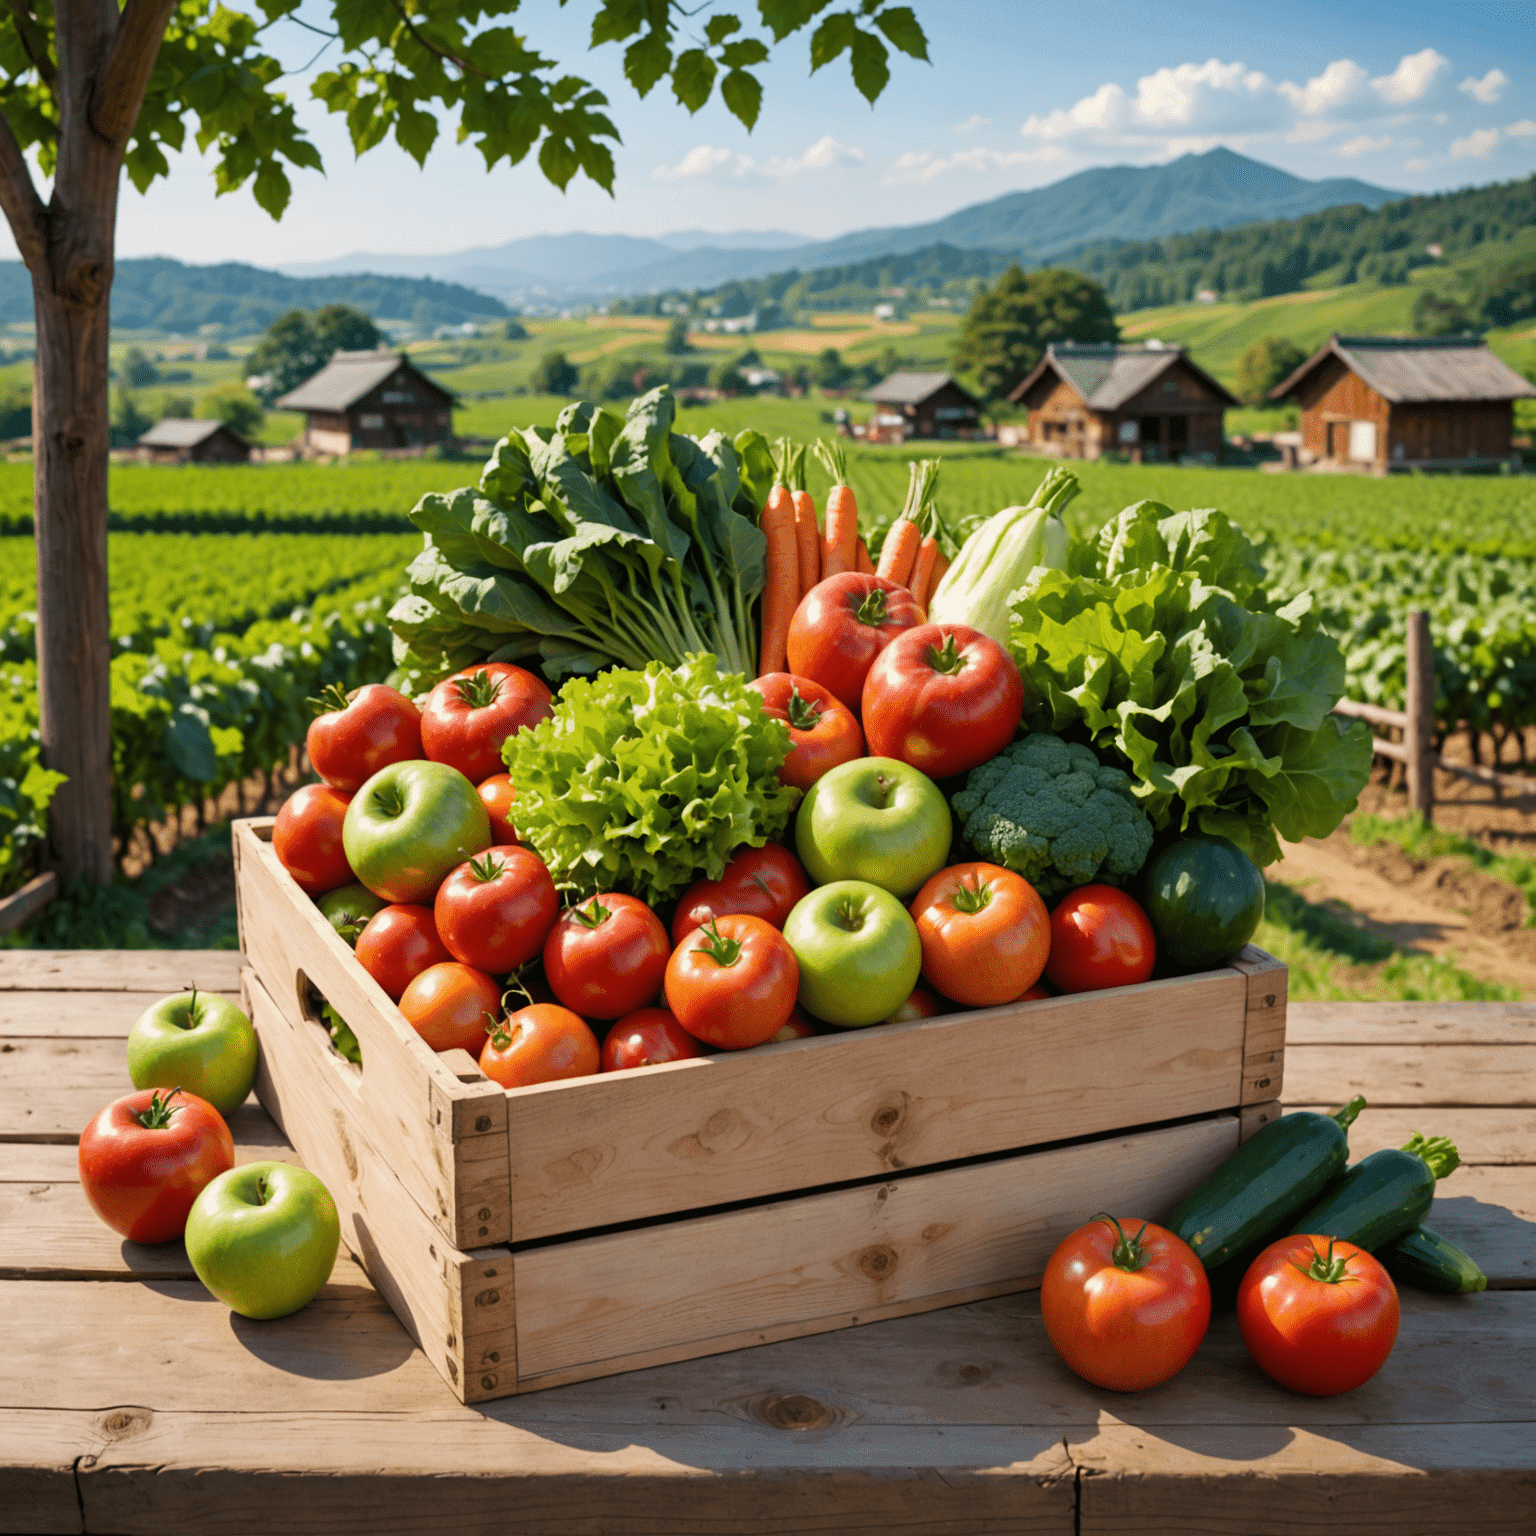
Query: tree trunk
70,435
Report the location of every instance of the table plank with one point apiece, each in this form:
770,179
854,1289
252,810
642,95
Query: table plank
1506,1136
120,970
82,1015
1418,1023
38,1451
1484,1075
1357,1480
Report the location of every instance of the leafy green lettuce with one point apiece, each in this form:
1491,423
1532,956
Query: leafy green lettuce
645,781
1220,712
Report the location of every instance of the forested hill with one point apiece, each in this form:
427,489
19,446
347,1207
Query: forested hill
157,293
1338,246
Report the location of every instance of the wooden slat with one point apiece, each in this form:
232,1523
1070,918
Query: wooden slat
694,1133
1415,1023
38,1452
1363,1480
1264,1025
78,1015
1494,1136
1392,719
119,970
20,905
1389,1075
1491,1212
633,1299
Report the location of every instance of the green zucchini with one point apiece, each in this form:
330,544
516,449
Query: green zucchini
1382,1196
1430,1262
1264,1183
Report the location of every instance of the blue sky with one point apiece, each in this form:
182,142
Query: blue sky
1409,95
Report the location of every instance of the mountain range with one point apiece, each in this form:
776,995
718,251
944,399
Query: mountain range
1215,190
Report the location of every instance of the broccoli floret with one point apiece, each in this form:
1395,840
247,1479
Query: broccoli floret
1051,810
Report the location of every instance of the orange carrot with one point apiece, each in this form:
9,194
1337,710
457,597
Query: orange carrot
939,567
839,542
865,566
781,589
807,534
921,584
899,551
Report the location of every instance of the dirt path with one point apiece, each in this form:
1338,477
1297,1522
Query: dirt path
1440,907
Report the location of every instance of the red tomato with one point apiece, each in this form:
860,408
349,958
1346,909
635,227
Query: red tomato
824,732
763,882
798,1026
985,933
450,1005
645,1038
397,944
1033,995
606,957
541,1043
942,697
306,837
468,716
146,1157
1125,1303
921,1004
1318,1314
499,794
733,982
1100,937
360,732
842,624
495,912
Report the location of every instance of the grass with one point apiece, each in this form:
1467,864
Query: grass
1421,842
1330,959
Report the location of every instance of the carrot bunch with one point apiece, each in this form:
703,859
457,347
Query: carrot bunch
911,555
840,542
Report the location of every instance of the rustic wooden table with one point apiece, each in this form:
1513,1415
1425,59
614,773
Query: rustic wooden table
133,1402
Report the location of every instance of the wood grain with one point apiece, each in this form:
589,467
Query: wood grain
19,906
1264,1031
690,1134
78,1015
1419,1023
1506,1136
38,1452
1488,1076
119,970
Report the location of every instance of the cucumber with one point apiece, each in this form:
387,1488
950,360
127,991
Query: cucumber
1264,1183
1430,1262
1382,1196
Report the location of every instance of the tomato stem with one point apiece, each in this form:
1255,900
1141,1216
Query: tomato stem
1326,1267
479,690
333,698
804,714
158,1115
722,950
873,609
974,897
1127,1253
501,1036
946,658
593,916
486,868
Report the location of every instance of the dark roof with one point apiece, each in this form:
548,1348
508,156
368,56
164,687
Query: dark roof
1401,368
347,378
179,432
908,387
1106,375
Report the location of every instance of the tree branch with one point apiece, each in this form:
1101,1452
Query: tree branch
426,42
18,196
120,87
34,42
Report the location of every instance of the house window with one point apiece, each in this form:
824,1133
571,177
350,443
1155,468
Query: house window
1129,432
370,423
397,397
1170,386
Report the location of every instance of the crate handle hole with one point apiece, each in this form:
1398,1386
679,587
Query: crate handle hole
313,1006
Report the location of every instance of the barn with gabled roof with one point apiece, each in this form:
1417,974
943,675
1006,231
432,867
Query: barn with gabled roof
371,400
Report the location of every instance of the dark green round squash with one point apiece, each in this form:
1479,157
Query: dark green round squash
1205,897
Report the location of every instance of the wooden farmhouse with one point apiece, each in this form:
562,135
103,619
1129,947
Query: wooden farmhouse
1149,402
1391,402
176,440
913,404
371,400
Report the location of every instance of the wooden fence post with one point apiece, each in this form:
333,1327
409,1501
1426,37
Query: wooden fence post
1419,738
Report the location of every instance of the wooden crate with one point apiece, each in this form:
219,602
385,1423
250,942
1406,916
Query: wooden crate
544,1235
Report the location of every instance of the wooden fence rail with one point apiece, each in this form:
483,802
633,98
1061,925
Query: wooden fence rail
1416,751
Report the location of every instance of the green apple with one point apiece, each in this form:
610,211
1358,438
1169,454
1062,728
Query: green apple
858,950
263,1238
347,910
873,819
409,825
198,1041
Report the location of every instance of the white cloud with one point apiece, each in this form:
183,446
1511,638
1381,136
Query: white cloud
924,166
1415,74
1524,129
709,160
1476,145
972,123
1310,130
1488,89
1340,85
1363,144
